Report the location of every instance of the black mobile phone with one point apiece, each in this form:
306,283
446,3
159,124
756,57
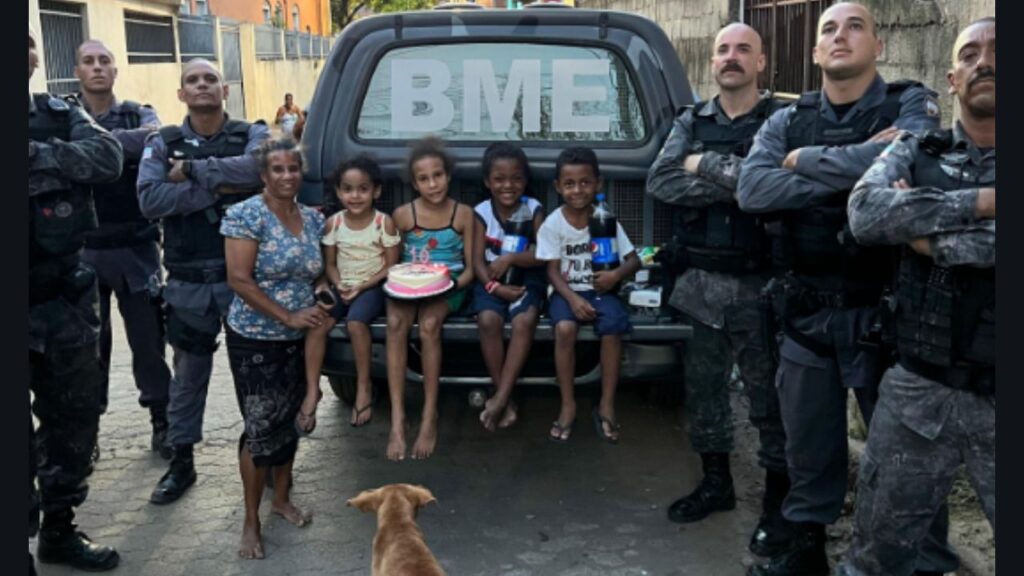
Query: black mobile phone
326,297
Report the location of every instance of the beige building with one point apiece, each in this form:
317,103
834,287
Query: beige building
151,38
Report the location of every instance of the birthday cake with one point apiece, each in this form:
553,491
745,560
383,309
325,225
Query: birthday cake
417,280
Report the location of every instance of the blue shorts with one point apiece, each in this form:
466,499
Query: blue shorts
612,317
482,301
367,306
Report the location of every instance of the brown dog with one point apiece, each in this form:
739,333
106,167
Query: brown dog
398,547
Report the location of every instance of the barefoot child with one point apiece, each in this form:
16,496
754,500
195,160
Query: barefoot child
360,244
582,295
506,174
439,229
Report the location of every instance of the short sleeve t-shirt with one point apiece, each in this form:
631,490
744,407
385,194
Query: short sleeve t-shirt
360,252
559,240
286,265
494,233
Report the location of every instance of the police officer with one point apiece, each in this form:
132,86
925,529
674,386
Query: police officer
125,249
727,256
804,162
188,176
934,196
67,151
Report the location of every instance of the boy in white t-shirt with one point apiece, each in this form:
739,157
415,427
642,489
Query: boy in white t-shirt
582,295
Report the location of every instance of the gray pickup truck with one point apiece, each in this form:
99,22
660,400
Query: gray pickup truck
542,78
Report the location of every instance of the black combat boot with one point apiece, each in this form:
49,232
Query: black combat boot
158,442
714,493
60,543
805,557
178,478
774,534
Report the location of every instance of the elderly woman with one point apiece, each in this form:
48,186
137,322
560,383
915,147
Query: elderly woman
273,257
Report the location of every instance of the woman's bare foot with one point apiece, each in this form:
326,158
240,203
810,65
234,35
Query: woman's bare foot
426,439
490,413
251,546
510,416
396,443
292,514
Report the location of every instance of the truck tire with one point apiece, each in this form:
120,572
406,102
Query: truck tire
344,388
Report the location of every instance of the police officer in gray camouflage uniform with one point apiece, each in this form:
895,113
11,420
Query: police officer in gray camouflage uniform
125,249
726,255
805,160
934,196
67,152
188,176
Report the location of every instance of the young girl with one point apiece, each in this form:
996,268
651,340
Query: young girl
506,174
441,228
360,244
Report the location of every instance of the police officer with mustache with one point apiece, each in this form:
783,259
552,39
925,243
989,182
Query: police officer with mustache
727,258
933,196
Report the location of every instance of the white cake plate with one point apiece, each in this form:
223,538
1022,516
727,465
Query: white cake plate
438,292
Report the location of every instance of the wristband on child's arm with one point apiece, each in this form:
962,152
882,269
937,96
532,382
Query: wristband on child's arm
491,286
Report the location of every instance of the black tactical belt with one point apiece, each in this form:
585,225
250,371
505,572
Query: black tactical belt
977,378
198,276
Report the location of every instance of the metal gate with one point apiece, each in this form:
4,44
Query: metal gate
231,49
62,33
789,30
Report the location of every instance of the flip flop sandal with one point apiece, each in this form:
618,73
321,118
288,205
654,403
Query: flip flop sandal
360,411
598,424
563,430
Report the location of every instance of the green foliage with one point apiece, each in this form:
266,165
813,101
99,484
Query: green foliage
344,11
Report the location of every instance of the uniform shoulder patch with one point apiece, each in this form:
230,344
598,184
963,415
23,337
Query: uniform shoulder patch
58,104
931,106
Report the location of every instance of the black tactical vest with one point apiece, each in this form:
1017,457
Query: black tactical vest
721,237
58,220
816,241
945,317
117,203
196,236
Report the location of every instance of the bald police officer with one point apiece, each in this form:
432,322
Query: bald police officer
67,152
804,162
727,258
188,177
934,197
125,249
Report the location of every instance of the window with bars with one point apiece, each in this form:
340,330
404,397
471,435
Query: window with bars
789,31
63,29
150,38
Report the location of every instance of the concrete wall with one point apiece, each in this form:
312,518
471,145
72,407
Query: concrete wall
264,82
691,25
918,35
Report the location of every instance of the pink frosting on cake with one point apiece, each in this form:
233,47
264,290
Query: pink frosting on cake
438,270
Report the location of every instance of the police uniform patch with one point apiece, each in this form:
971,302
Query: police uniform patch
147,153
58,105
931,107
62,210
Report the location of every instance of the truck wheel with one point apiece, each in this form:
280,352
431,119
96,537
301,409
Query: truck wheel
344,387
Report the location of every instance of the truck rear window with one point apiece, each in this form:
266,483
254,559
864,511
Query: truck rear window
502,91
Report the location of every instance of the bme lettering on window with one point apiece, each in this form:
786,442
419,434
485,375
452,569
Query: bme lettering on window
420,85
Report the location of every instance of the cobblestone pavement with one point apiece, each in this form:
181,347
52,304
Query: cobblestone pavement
509,503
